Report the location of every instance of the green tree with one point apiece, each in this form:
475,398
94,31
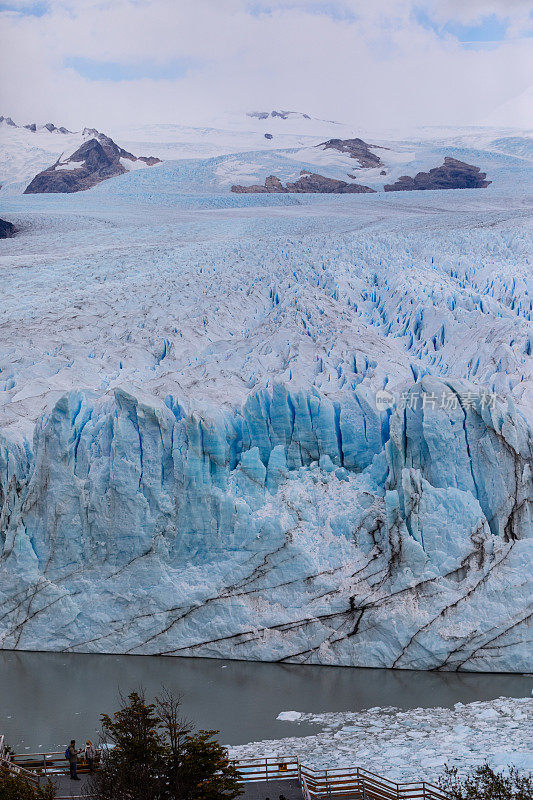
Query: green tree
15,787
157,756
486,784
204,771
132,767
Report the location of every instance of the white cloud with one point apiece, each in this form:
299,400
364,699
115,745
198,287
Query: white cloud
367,60
476,9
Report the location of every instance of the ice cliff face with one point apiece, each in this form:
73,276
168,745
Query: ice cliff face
294,528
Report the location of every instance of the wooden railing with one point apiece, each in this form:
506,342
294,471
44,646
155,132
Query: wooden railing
349,782
14,769
354,783
267,769
305,788
51,763
361,783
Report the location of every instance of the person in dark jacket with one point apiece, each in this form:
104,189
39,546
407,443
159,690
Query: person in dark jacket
73,760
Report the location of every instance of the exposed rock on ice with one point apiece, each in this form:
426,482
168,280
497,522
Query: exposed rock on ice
356,148
453,174
308,183
7,229
279,114
51,128
311,182
96,160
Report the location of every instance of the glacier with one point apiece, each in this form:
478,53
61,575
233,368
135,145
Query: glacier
195,455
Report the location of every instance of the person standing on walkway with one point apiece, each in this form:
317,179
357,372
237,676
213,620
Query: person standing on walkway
73,760
90,755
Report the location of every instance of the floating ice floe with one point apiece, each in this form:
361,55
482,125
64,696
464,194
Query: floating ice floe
412,744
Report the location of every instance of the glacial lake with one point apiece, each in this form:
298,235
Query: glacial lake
46,699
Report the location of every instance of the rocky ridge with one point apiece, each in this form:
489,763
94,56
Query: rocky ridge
307,183
33,127
279,114
356,148
94,161
453,174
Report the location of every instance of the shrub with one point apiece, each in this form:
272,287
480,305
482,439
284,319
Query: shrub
486,784
15,787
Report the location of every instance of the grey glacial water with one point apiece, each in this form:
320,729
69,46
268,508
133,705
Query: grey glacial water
48,698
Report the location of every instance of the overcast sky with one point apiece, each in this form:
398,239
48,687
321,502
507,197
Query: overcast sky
376,62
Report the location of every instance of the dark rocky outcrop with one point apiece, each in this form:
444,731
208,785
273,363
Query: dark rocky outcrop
256,189
273,184
279,114
356,148
318,183
7,229
31,126
148,160
307,183
453,174
95,161
287,114
51,127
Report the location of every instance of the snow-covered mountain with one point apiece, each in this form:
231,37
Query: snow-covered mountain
272,426
26,150
45,158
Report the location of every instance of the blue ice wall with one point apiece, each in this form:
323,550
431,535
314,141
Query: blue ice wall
130,499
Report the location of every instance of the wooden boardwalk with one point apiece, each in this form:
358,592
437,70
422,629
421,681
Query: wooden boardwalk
272,790
68,789
276,778
259,790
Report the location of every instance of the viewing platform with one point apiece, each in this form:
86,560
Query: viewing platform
262,778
